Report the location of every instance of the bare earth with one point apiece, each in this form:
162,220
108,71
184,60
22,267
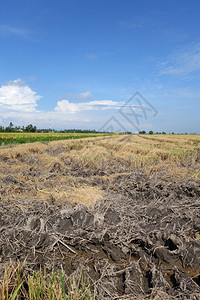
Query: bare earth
122,210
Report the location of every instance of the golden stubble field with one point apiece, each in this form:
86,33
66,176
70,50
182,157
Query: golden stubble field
68,169
122,210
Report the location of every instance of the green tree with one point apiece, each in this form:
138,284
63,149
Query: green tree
9,128
30,128
150,132
11,125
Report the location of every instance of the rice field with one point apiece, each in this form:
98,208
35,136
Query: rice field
26,137
106,217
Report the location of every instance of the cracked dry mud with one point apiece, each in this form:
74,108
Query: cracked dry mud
140,238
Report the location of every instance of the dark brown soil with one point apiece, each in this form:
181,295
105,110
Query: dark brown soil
144,237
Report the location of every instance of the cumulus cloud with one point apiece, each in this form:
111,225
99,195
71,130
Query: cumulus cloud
17,95
64,106
18,103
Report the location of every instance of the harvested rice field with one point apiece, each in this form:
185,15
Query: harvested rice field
121,211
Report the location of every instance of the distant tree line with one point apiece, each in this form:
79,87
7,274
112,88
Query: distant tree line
32,128
12,128
78,131
151,132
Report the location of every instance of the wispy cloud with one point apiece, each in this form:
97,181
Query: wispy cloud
65,106
10,30
183,62
132,24
94,56
91,56
83,95
137,22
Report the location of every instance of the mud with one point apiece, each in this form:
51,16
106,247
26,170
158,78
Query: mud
130,243
140,241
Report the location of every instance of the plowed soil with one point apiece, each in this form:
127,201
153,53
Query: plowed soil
132,228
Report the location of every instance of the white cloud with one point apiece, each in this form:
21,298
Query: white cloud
17,95
18,103
64,106
46,119
84,95
183,62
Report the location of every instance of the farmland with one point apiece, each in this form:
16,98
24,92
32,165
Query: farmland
120,211
25,137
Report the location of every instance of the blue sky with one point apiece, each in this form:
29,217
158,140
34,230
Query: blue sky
75,64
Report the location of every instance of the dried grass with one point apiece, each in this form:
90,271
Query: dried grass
43,171
85,194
